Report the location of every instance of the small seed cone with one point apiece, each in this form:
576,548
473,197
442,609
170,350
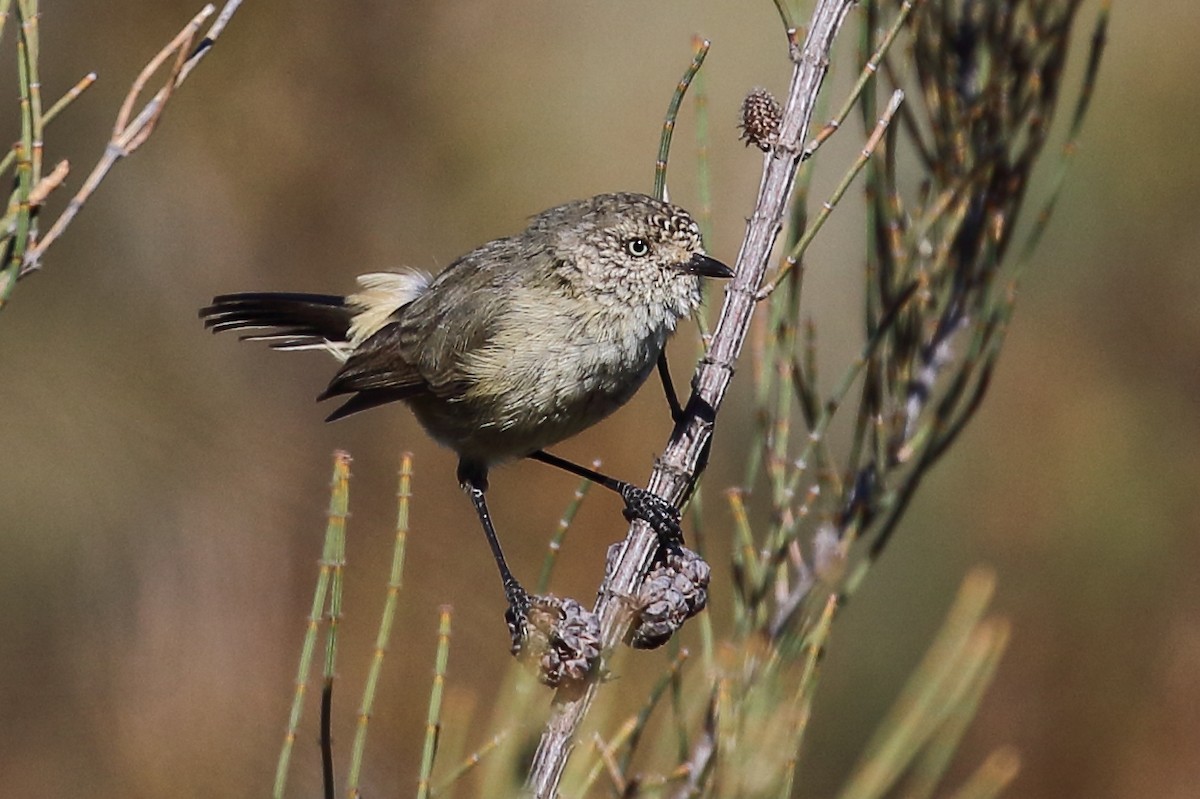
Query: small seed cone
761,117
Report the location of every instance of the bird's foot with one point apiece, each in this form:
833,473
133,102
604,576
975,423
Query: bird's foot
655,511
559,637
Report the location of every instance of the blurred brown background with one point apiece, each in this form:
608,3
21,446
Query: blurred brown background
164,491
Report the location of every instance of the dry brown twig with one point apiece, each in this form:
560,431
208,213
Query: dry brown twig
681,460
129,135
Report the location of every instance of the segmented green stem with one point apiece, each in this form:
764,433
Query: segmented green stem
699,51
338,504
433,717
384,634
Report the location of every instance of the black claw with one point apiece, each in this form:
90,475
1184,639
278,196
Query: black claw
518,600
655,511
517,615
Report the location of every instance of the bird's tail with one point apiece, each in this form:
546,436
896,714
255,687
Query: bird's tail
285,321
318,321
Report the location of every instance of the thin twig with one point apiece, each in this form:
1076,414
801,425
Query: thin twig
1082,104
59,106
704,209
700,761
560,535
643,716
69,97
827,208
129,135
472,760
48,184
210,38
868,72
699,51
433,719
789,28
605,763
178,47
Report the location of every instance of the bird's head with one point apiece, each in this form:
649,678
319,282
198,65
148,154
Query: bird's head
634,250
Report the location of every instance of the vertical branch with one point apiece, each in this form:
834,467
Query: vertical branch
677,469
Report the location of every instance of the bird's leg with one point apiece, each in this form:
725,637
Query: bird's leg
662,517
474,481
664,372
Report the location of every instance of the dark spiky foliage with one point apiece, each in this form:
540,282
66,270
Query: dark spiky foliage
939,290
989,76
983,83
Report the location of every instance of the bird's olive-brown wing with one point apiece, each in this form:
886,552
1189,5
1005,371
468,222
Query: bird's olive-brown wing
422,351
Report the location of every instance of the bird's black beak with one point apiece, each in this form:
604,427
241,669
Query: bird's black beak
702,265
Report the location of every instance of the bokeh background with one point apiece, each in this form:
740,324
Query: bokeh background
163,491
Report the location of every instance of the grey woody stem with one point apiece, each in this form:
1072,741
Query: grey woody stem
682,457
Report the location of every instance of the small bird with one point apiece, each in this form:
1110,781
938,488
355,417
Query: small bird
515,346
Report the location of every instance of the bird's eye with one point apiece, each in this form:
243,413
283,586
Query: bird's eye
638,248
